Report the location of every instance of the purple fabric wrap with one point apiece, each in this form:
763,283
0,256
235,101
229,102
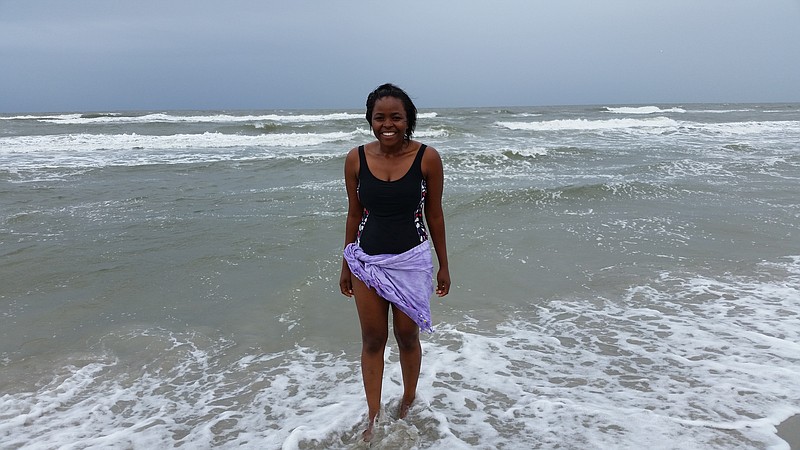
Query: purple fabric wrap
405,279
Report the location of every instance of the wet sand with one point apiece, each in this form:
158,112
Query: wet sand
789,431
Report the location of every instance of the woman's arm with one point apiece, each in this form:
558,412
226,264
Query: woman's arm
434,176
354,211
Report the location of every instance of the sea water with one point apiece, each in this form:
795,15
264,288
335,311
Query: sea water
625,277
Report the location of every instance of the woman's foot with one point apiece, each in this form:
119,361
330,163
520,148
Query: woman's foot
366,436
405,405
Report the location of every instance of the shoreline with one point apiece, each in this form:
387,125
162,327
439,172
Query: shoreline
789,431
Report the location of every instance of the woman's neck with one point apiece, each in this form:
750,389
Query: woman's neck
394,150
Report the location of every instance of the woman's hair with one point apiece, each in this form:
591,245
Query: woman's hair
390,90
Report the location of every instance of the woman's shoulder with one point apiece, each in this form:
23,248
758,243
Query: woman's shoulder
431,161
352,161
430,153
353,153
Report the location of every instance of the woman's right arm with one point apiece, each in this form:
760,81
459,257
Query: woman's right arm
354,211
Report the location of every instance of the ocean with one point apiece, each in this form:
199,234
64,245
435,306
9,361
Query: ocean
624,277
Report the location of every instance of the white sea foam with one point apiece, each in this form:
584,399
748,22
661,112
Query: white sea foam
96,150
744,128
530,152
431,134
75,119
687,168
659,123
496,164
117,118
719,111
643,110
89,142
680,361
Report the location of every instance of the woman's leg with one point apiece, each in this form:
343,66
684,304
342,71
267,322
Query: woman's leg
406,332
373,314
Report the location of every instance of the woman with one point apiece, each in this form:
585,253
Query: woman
387,263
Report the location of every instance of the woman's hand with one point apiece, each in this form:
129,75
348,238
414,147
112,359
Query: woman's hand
346,282
443,282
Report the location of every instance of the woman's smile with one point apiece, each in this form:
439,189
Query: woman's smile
389,120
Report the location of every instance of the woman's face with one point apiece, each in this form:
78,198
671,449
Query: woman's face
389,121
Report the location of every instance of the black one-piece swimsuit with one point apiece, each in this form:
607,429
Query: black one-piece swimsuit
391,222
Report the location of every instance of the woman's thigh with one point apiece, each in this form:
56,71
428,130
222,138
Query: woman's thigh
373,310
406,331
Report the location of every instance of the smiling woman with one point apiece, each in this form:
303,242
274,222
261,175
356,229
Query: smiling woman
387,260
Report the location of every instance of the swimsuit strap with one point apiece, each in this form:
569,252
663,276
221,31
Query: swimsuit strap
362,159
418,159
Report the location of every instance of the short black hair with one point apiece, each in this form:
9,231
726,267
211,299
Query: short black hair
390,90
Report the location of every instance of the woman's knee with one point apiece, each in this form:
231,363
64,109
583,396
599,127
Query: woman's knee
374,341
407,338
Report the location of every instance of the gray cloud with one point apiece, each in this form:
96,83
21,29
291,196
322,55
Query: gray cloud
104,55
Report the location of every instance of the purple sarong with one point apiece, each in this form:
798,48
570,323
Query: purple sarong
405,279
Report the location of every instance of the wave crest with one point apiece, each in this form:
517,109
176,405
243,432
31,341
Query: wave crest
592,125
110,118
642,110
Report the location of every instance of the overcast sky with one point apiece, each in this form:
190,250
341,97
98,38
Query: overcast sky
103,55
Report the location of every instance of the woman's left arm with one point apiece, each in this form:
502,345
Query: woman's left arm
434,177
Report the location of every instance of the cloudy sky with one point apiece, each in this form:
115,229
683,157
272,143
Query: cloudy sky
103,55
